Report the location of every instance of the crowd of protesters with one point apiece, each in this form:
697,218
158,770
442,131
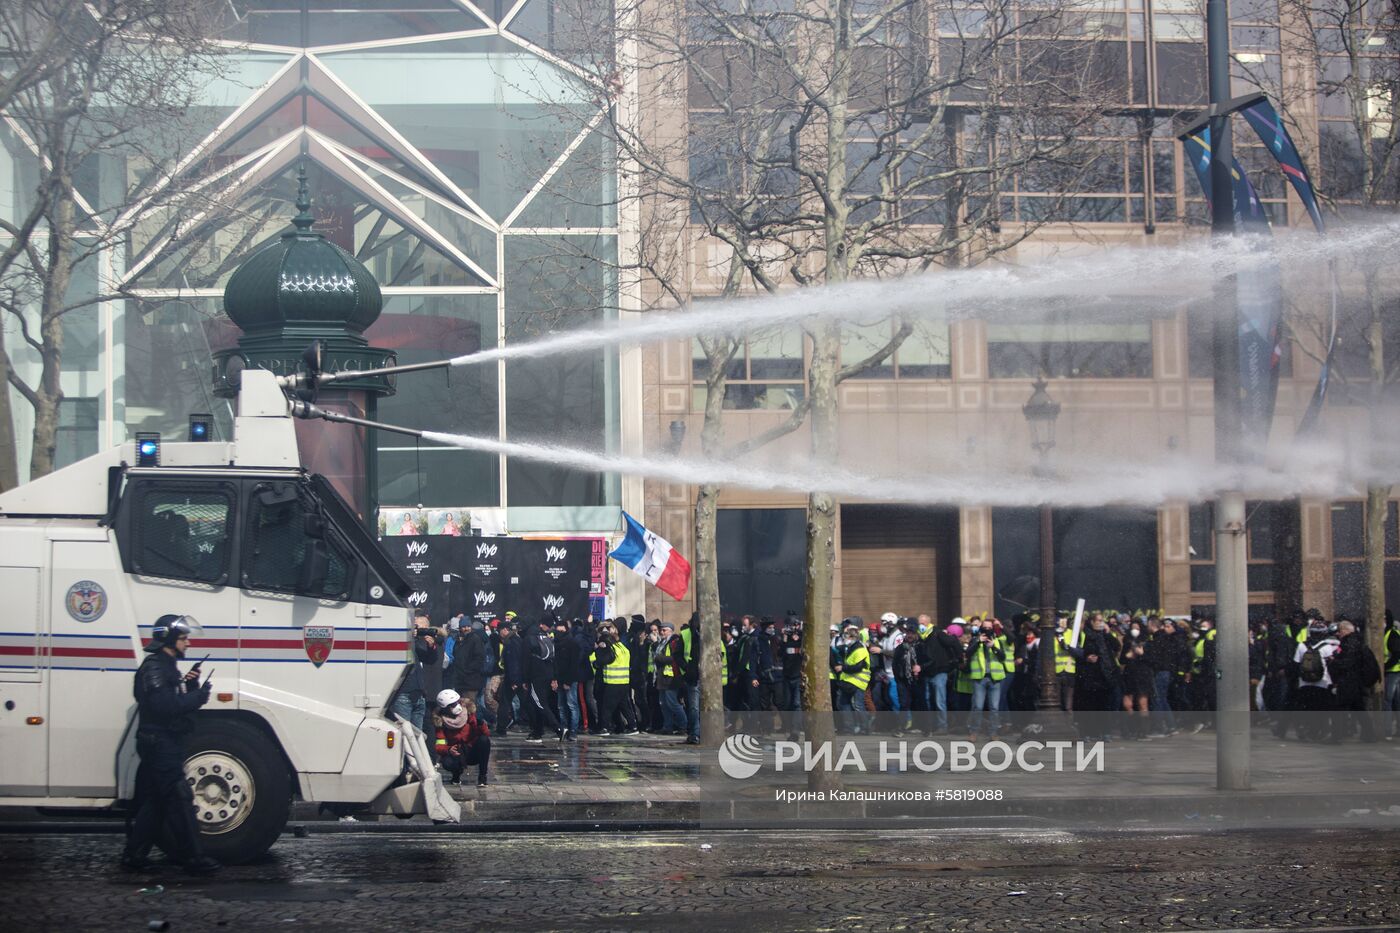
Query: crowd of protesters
559,678
1159,670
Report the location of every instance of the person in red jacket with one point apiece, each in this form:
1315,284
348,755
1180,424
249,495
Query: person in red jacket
462,739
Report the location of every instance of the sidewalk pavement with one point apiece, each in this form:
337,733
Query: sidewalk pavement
1158,782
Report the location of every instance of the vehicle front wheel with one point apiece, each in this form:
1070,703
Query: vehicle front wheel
242,790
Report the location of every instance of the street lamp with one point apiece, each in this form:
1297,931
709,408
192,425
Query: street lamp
1041,413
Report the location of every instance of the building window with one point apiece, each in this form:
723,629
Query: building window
77,431
1348,558
1270,545
767,374
922,355
1067,350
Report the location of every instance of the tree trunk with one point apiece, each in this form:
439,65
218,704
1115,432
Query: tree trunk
707,605
821,553
49,391
706,549
9,462
821,388
1377,497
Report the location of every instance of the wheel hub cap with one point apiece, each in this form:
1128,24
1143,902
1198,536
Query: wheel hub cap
223,790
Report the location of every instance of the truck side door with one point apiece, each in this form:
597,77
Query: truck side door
93,655
301,634
24,761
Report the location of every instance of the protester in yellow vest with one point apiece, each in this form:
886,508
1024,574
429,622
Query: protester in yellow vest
989,658
617,675
1064,662
852,671
1390,700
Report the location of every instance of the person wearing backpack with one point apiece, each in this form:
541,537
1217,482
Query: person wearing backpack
1314,693
1354,670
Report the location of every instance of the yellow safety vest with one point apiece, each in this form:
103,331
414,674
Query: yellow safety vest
1064,661
1392,651
619,671
1199,650
859,680
685,643
985,663
963,683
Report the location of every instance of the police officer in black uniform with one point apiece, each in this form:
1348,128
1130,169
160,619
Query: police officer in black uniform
165,700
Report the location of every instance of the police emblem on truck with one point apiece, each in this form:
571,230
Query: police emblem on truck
317,640
86,601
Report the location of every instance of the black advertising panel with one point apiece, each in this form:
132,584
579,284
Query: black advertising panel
488,577
553,576
419,558
487,586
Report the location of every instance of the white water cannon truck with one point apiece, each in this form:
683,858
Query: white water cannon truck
305,629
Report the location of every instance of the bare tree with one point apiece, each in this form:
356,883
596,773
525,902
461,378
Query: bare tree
94,97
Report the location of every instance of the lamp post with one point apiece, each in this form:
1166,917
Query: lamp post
1231,584
1041,413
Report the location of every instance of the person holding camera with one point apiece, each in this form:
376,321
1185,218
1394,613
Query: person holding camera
792,656
641,643
424,677
615,661
989,660
165,701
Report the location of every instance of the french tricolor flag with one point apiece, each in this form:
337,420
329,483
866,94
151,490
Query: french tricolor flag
653,557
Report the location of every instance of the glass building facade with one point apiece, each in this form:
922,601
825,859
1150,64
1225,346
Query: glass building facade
452,149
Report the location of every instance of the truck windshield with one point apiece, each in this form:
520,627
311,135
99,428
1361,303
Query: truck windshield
348,525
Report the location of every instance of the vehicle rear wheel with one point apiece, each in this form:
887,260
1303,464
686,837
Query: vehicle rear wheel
242,790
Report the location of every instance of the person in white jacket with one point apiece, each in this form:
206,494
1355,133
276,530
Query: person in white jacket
1315,695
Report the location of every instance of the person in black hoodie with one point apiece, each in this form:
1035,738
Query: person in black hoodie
1158,651
541,683
747,656
1137,686
513,672
584,636
468,671
1278,655
1353,677
937,656
1096,674
641,644
566,671
792,656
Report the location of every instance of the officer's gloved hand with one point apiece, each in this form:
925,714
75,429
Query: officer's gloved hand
204,692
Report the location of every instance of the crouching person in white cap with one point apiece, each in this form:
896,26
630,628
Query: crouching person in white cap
462,739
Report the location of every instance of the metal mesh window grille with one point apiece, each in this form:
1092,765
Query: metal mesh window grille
183,534
278,546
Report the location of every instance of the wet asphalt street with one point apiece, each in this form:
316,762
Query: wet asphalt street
726,880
